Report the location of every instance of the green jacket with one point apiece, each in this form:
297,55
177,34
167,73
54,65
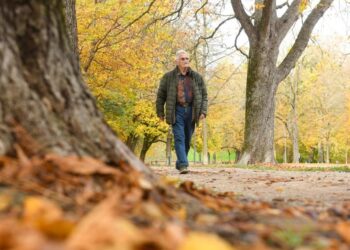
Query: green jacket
167,92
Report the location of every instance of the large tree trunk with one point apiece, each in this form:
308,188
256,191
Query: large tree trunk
265,36
260,106
72,27
44,104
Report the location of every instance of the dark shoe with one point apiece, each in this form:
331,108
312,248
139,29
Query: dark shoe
183,170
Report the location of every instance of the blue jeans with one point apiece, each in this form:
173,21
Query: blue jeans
183,130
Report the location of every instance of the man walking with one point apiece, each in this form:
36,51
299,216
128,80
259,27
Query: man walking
184,94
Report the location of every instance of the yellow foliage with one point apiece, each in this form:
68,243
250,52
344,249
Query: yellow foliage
259,6
303,5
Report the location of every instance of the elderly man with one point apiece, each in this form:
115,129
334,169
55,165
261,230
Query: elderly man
184,94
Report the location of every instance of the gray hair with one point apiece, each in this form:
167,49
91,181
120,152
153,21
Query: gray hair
179,52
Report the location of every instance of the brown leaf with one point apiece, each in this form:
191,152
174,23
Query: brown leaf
16,236
46,217
104,229
80,165
343,229
204,241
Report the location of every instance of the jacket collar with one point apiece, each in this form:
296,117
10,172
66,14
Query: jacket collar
177,71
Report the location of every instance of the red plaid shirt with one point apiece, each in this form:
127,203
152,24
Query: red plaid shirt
184,89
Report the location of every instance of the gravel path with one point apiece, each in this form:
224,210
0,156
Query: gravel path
319,190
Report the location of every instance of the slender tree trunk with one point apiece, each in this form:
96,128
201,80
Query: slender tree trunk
144,149
285,146
44,104
327,152
194,147
346,156
168,146
320,153
205,142
295,136
294,118
237,155
132,141
72,27
204,73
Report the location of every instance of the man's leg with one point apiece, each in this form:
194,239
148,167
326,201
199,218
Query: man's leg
179,138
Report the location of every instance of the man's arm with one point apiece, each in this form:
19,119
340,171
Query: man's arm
161,97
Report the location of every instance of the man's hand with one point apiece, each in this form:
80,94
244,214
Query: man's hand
202,116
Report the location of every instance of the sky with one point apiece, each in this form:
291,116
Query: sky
333,27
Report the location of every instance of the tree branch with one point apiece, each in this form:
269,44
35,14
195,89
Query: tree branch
268,19
213,33
286,21
302,40
97,43
241,51
244,20
202,6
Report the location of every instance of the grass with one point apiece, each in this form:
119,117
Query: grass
307,167
299,167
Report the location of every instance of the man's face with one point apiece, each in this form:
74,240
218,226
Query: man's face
183,61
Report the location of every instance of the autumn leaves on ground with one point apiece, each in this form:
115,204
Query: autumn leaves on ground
56,203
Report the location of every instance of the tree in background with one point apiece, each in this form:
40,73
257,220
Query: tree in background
124,48
321,102
266,30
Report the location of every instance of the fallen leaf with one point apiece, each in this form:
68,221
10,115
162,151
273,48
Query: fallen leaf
104,229
343,229
204,241
46,217
5,201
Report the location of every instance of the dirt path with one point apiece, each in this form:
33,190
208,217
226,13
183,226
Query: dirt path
320,190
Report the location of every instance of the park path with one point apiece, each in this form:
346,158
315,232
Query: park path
319,190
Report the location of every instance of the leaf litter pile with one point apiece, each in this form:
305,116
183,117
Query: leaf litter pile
56,203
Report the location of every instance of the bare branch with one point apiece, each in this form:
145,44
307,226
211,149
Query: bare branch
302,40
177,11
203,5
286,21
213,33
242,52
244,20
282,5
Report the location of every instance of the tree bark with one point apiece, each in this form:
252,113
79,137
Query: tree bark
261,89
72,27
132,141
147,143
44,104
264,75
